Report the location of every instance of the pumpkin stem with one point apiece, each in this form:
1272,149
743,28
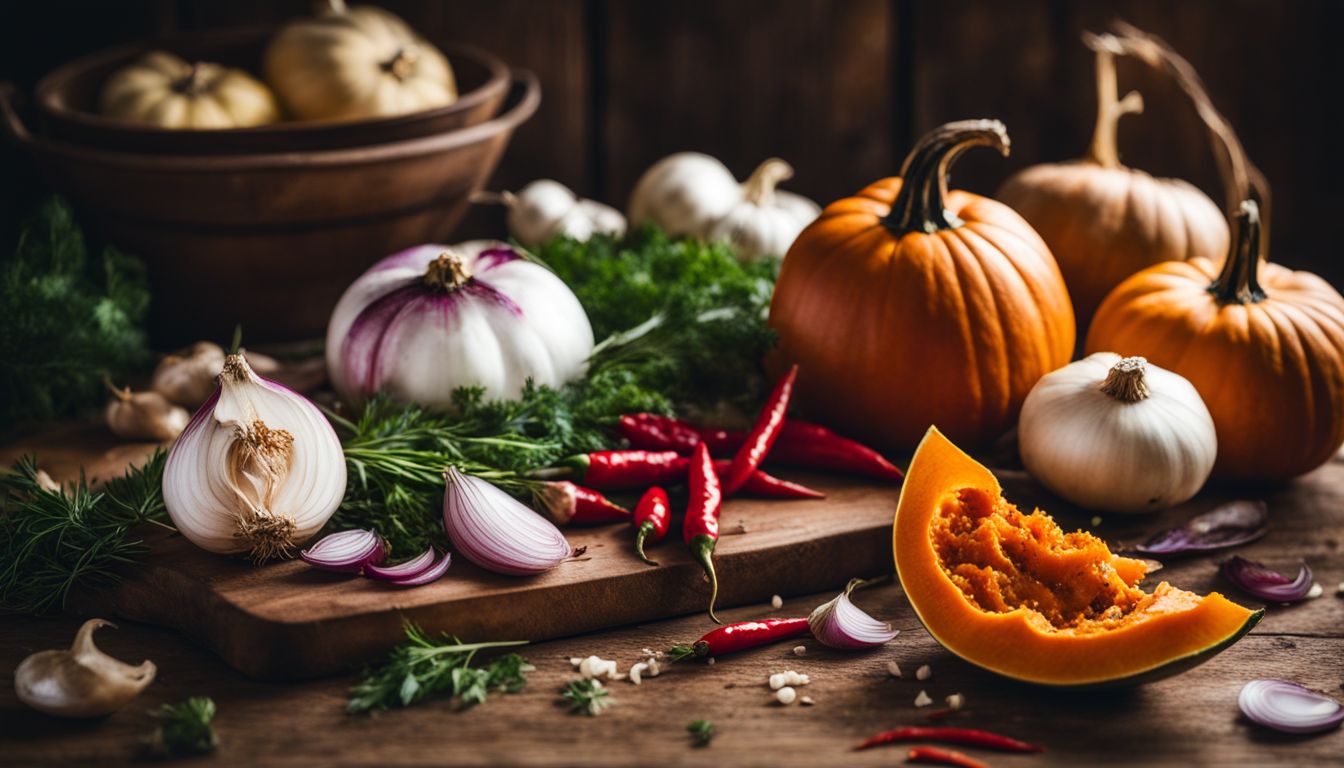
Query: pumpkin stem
1239,280
759,188
1241,178
447,272
1127,380
192,82
919,207
402,63
331,7
1110,109
122,394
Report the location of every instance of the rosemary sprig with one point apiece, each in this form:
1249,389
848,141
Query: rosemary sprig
186,729
53,540
586,697
425,667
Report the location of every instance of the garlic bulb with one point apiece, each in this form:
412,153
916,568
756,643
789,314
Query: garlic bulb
143,415
1117,434
258,470
766,221
187,377
431,319
693,194
544,209
80,682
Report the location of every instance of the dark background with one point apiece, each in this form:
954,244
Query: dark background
837,88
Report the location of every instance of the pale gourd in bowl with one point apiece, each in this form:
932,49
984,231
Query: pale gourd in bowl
426,321
353,63
164,91
1117,434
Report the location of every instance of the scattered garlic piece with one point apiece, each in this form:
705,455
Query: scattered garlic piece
956,701
653,668
1316,591
923,700
894,669
786,695
776,681
776,602
143,415
806,701
575,661
636,671
924,672
710,661
788,677
82,681
1340,589
799,650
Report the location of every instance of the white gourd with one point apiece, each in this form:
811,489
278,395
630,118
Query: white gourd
766,221
1117,435
545,208
162,90
355,63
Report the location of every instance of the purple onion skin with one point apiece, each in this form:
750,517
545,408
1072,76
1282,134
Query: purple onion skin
1271,586
1228,525
1255,704
428,575
413,567
372,558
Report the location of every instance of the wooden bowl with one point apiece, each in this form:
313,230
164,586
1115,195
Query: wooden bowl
271,240
67,103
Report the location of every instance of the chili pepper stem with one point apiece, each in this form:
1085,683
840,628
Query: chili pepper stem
644,530
702,548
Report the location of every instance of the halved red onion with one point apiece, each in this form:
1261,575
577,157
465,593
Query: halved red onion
841,624
1227,525
413,567
346,551
496,531
432,573
1289,707
1256,579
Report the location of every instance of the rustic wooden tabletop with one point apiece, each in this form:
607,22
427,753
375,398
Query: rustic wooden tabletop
1188,720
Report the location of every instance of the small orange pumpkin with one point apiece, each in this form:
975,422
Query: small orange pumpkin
907,304
1263,345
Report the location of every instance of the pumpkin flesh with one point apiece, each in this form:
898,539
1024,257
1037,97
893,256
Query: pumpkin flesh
1013,593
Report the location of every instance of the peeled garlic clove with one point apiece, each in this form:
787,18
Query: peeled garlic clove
144,416
258,469
187,377
80,682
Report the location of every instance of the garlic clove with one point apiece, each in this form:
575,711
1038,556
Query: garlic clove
80,682
143,415
187,377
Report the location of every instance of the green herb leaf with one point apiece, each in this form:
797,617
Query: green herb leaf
586,697
186,729
426,667
702,731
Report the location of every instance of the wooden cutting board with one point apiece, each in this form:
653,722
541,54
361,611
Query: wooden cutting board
289,621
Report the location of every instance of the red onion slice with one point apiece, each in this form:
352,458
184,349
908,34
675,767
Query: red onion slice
432,573
1227,525
1289,707
496,531
1259,581
841,624
413,567
346,551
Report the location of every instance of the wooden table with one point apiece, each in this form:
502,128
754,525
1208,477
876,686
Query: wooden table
1188,720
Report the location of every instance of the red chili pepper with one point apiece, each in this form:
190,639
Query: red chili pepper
815,446
762,435
653,432
652,515
701,527
966,737
769,486
739,637
624,470
939,756
570,503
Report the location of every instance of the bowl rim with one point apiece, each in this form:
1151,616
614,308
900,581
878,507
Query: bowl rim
48,89
508,119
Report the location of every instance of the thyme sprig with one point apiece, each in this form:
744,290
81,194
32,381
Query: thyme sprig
427,667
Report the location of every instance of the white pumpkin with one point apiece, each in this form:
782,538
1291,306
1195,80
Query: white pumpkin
545,208
354,63
1117,434
690,193
162,90
425,321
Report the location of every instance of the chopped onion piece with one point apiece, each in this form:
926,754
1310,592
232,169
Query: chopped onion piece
432,573
413,567
496,531
346,551
841,624
1227,525
1289,707
1255,579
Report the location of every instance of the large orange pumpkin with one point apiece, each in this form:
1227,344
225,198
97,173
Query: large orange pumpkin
1263,344
907,304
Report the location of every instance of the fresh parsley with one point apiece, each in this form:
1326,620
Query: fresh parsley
426,667
186,729
702,731
586,697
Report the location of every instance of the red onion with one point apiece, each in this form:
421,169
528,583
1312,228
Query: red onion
1227,525
413,567
1255,579
346,551
496,531
840,624
432,573
1289,707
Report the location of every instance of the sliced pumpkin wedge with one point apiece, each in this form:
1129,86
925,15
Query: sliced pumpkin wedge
1013,593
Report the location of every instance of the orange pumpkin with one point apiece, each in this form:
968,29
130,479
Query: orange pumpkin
908,304
1264,345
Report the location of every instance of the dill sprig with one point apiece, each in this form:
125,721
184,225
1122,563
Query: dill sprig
186,729
586,697
53,540
426,667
